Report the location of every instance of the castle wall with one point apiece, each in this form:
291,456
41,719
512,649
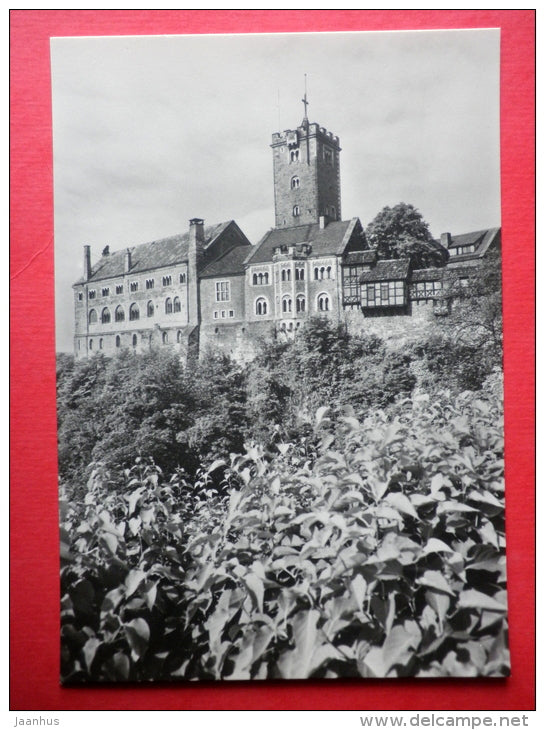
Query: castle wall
416,323
217,311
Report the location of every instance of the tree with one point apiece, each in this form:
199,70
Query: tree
401,232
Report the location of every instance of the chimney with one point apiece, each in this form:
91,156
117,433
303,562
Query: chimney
323,220
446,239
127,266
195,252
86,262
106,251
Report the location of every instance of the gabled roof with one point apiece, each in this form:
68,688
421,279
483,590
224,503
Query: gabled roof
389,270
231,263
481,240
152,255
332,239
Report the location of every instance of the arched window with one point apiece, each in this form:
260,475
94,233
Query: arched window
93,316
266,277
134,312
168,306
167,280
105,316
299,274
328,270
261,306
118,341
296,211
178,337
294,182
300,303
294,156
119,314
323,302
254,279
286,304
150,309
134,340
290,326
322,272
316,273
260,279
100,344
90,344
182,278
165,338
177,304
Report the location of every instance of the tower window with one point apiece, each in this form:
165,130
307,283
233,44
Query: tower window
119,314
295,182
261,306
296,211
294,156
328,156
300,303
80,296
286,304
299,274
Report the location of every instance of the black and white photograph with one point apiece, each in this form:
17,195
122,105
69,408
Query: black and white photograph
279,356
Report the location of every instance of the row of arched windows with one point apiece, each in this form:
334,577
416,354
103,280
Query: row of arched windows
134,340
323,304
322,272
260,279
171,306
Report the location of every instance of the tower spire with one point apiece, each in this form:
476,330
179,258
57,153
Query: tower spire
306,103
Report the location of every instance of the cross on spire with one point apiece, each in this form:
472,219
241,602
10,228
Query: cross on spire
305,102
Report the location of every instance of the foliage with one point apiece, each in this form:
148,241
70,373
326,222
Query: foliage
383,556
401,232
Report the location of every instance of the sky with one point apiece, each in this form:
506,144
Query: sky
151,131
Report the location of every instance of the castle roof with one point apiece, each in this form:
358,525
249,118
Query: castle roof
230,264
152,255
361,257
430,274
332,239
387,270
481,240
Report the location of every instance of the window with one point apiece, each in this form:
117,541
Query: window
150,283
178,337
119,314
294,156
328,156
300,303
223,291
323,303
316,273
134,313
80,296
134,340
150,309
100,344
90,344
105,291
119,288
105,316
177,305
296,211
231,313
134,286
322,272
92,293
167,280
223,313
384,292
261,306
254,279
299,274
182,278
286,304
328,272
294,182
168,306
165,338
118,341
216,314
93,316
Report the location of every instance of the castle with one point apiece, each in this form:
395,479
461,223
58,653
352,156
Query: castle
211,288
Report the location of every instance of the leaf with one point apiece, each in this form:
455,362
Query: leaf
436,546
402,503
255,587
133,498
435,580
400,644
321,414
138,634
475,599
133,580
110,541
440,603
297,663
450,506
359,588
89,651
118,667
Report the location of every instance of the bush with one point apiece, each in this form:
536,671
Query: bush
383,557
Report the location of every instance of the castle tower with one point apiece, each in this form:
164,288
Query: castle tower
307,183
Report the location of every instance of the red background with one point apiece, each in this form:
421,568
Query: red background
34,538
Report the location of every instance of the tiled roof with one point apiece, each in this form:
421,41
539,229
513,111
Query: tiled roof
231,262
431,274
324,241
361,257
389,270
152,255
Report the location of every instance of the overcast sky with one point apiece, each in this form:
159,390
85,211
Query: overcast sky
151,131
